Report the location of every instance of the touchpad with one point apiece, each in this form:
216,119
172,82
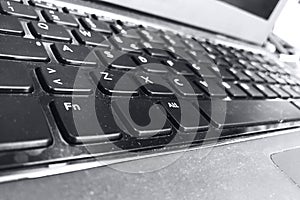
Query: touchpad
289,162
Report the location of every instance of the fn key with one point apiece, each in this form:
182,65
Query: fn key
22,123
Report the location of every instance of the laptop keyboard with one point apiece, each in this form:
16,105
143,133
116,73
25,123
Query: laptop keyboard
71,79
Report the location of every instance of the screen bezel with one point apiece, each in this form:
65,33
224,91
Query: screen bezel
230,20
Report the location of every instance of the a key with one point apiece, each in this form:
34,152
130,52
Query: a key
75,11
31,49
278,79
194,45
254,76
150,64
126,44
43,4
49,31
200,57
249,113
128,32
291,92
185,86
179,68
115,83
18,9
240,75
155,49
153,37
174,40
64,80
234,90
203,70
266,77
266,91
91,38
74,54
180,54
23,124
212,88
185,116
223,73
116,59
15,78
143,117
59,18
153,85
277,89
85,120
251,90
96,25
10,25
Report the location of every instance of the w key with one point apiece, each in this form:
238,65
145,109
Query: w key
64,80
49,31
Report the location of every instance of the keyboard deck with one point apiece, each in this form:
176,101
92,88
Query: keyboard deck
74,85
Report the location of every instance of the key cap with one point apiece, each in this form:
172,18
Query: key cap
185,116
85,120
150,64
254,76
248,113
185,86
91,38
15,78
240,75
49,31
115,83
96,25
151,36
153,85
234,90
156,50
266,77
251,90
291,92
126,44
59,18
116,59
223,73
180,54
74,11
278,79
64,80
266,91
10,25
18,9
279,91
173,40
23,124
204,70
143,118
194,45
33,50
74,54
127,32
42,4
212,88
179,68
200,57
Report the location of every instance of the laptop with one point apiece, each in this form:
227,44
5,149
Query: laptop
145,99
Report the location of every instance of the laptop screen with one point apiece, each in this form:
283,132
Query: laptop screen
260,8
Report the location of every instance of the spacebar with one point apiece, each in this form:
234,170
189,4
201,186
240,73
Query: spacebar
248,113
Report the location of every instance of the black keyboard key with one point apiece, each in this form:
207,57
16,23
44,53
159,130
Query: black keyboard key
128,32
254,76
240,75
266,77
143,118
194,45
212,88
96,25
174,40
153,37
23,124
153,85
116,59
18,9
59,18
31,49
74,54
281,93
180,54
49,31
223,73
204,70
115,83
266,91
126,44
248,113
234,90
75,11
290,91
10,25
64,80
185,86
185,116
43,4
179,68
200,57
91,38
150,64
251,90
155,49
82,120
15,78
